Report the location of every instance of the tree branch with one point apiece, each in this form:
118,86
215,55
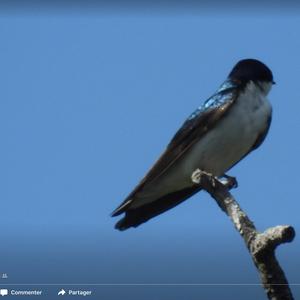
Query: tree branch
260,245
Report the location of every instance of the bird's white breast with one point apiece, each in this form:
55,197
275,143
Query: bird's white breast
233,136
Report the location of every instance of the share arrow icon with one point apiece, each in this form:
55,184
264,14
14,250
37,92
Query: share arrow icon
61,292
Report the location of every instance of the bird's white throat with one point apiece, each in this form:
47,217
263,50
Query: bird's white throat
265,87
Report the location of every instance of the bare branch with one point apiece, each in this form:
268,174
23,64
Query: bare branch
260,245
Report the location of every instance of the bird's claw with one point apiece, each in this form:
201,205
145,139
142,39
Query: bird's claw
229,181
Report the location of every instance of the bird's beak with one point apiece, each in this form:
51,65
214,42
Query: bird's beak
273,82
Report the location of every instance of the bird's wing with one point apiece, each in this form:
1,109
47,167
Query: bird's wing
199,122
137,216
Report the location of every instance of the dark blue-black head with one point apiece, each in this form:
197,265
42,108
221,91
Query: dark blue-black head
251,70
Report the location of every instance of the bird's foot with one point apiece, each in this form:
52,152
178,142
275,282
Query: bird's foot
197,176
229,181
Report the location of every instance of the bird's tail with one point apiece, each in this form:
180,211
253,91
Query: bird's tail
136,216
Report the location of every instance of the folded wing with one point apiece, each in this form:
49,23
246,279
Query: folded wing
197,125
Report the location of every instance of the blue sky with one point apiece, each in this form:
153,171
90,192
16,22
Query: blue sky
89,101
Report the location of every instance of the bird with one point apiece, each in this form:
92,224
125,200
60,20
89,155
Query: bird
223,130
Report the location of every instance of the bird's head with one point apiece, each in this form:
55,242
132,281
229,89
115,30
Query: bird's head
247,70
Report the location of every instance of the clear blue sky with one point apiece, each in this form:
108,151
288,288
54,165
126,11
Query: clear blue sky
88,102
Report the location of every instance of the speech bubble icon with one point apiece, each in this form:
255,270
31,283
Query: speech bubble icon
4,292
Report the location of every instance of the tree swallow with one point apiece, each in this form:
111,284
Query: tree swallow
217,135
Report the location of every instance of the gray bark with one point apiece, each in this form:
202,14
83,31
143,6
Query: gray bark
261,246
